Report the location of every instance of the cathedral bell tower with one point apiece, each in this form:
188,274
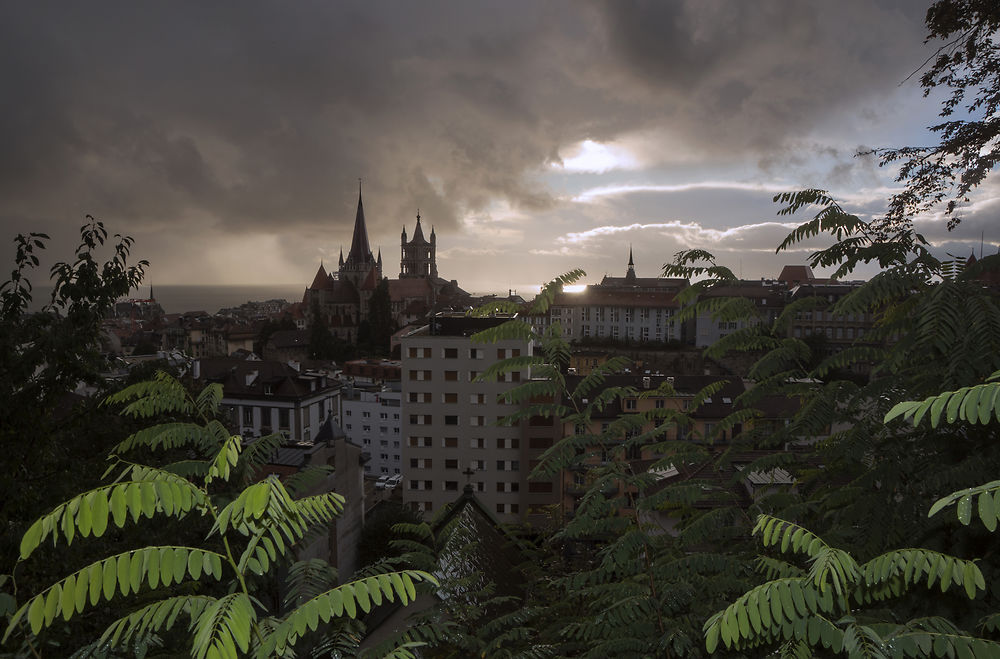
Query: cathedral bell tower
417,257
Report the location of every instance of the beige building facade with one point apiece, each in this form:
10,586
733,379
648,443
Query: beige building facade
452,422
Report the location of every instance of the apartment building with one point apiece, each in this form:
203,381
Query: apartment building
629,308
705,426
838,330
452,427
264,397
767,296
371,417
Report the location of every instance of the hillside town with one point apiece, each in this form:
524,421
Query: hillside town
414,410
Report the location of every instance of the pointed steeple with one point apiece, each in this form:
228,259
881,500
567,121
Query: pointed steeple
418,233
433,237
630,274
361,251
379,259
341,256
320,280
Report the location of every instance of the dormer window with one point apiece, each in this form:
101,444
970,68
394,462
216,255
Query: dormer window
268,390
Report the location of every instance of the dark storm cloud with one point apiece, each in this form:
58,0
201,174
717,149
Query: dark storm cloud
255,113
258,117
752,74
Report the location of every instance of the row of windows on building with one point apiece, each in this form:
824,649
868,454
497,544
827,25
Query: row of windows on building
453,420
615,314
452,353
382,430
830,332
475,465
616,333
480,442
502,487
383,443
367,415
284,415
450,398
419,375
501,508
830,316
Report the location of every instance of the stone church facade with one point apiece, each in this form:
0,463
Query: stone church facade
342,297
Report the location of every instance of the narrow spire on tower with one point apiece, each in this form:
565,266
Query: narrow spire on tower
630,273
361,251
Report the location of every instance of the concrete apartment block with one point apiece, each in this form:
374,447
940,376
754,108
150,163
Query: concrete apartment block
450,428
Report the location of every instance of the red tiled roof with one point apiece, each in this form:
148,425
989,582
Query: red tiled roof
322,280
796,274
401,289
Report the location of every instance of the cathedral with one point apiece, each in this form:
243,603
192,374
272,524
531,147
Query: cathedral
342,297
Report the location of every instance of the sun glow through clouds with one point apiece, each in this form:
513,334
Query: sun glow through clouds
590,156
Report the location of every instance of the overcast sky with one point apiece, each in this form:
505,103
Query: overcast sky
536,137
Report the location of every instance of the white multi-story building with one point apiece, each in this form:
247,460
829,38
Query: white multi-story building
371,417
451,422
629,308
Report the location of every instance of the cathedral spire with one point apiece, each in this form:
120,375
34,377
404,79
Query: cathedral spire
341,256
418,233
361,251
630,273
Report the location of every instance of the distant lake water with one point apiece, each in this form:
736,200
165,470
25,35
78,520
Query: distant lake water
178,299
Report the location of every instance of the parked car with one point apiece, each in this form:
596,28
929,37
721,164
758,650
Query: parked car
382,482
393,481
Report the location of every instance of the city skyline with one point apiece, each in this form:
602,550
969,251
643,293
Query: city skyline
228,141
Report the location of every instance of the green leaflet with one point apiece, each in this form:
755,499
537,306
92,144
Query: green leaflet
987,511
964,510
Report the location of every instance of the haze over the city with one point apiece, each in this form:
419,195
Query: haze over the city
228,140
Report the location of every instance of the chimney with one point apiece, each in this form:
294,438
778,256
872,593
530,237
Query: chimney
646,382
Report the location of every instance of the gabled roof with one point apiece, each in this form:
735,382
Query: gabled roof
321,280
475,549
241,378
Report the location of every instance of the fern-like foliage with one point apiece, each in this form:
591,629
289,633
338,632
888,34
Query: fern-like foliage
255,527
822,608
